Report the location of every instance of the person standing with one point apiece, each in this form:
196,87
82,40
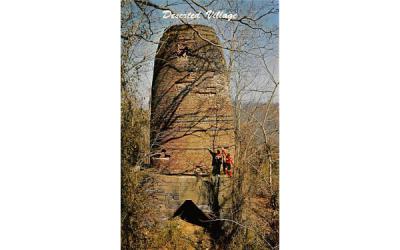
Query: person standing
229,165
216,161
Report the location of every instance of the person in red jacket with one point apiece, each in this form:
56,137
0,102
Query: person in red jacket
229,165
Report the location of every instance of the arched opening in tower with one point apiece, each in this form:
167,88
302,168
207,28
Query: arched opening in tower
189,212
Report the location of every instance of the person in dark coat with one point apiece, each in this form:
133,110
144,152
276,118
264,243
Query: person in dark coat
216,161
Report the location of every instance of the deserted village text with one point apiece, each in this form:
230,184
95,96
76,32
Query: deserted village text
209,14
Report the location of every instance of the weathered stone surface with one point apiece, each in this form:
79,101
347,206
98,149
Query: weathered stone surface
191,108
191,111
173,190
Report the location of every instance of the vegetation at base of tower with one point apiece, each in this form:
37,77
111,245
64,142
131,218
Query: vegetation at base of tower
178,234
250,48
257,190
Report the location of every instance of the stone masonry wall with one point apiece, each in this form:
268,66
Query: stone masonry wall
191,108
173,190
191,111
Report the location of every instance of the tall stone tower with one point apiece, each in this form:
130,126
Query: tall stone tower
191,109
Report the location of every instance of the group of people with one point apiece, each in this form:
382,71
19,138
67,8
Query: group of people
224,159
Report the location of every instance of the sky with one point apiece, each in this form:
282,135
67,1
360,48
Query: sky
224,29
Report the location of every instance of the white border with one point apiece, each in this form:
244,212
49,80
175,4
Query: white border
59,130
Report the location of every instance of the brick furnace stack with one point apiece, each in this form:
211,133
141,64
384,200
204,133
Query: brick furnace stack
191,109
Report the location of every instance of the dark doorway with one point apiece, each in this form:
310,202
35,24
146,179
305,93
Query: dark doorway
189,212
